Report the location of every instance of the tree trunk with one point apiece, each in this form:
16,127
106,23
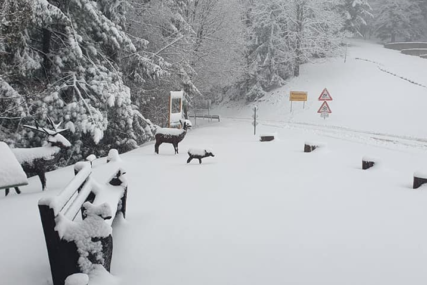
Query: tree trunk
47,35
299,31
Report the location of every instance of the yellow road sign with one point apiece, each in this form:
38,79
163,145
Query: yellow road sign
298,96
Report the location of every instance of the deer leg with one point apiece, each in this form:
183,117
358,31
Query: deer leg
175,147
17,190
156,147
7,192
200,161
189,159
42,179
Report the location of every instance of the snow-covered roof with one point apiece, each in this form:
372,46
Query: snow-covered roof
11,172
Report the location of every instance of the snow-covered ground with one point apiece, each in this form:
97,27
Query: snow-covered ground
365,97
266,212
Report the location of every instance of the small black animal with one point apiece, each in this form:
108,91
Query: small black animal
199,154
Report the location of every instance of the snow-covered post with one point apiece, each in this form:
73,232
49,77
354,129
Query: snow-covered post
368,162
311,146
91,158
420,178
255,116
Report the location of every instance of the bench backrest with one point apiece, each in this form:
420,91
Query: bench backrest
63,255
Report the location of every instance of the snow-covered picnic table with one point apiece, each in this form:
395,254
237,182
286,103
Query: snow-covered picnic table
11,172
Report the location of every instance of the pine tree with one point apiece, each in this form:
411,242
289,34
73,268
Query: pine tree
356,12
399,20
286,34
71,55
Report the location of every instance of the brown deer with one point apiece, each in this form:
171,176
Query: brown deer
35,160
172,136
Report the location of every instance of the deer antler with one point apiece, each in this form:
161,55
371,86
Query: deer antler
55,126
49,120
37,128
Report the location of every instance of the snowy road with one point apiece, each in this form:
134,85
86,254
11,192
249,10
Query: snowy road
390,141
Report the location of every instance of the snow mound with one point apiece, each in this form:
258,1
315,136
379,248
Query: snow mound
199,151
113,155
77,279
11,172
421,174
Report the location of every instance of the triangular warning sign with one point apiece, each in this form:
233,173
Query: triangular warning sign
325,96
324,108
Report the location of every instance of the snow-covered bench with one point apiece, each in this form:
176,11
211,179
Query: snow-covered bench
78,244
11,173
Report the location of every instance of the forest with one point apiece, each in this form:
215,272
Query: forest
105,68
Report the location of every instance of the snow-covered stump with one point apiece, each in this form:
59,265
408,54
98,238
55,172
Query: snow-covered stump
79,246
311,146
368,162
420,178
267,137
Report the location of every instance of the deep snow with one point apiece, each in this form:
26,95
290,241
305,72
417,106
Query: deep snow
266,212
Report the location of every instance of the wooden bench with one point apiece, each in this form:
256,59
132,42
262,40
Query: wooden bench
11,173
98,196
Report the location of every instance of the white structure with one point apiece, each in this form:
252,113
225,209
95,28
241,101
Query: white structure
174,118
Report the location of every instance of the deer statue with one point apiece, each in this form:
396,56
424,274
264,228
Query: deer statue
172,136
35,160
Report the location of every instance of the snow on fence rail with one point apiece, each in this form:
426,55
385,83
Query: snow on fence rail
81,245
406,45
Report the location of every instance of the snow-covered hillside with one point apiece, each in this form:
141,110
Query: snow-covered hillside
366,96
266,212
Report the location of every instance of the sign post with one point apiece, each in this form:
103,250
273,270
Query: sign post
325,110
325,96
300,96
255,116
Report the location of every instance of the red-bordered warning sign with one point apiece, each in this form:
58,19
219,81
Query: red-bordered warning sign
325,96
324,108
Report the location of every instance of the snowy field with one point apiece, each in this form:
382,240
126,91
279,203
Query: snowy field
365,97
266,212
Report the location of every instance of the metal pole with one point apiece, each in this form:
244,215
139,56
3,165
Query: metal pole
345,57
255,121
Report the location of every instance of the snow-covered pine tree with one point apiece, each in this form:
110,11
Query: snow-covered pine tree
285,34
399,20
170,37
356,13
65,58
268,46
